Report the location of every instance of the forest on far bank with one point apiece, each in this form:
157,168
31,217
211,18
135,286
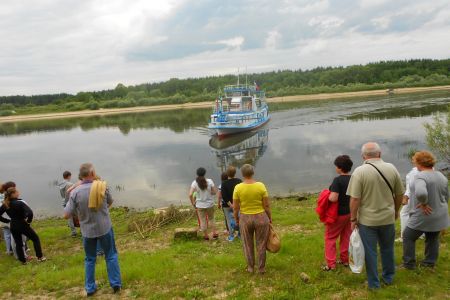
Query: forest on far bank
372,76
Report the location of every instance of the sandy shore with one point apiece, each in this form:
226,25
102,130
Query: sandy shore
328,96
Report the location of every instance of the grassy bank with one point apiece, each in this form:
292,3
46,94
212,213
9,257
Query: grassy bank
156,267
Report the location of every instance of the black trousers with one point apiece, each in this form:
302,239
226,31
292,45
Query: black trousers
19,228
410,237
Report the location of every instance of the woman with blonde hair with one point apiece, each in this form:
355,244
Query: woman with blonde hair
252,213
429,211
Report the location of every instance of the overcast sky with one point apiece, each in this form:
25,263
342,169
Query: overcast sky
50,46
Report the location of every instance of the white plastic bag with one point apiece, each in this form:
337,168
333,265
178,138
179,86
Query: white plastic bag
356,252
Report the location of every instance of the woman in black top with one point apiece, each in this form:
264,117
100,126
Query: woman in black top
341,228
21,217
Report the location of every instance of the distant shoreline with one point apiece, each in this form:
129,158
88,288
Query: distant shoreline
323,96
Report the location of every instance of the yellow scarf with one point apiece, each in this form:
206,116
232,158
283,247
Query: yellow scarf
97,194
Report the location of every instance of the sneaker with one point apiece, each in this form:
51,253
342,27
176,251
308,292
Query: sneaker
117,289
230,238
42,259
74,235
404,267
90,294
425,265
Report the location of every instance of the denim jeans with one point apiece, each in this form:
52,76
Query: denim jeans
108,245
371,236
7,236
228,212
409,247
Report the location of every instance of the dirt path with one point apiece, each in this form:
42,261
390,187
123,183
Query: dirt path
101,112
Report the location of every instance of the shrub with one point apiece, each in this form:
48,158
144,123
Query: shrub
438,136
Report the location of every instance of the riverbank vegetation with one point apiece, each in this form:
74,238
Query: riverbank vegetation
438,137
373,76
154,266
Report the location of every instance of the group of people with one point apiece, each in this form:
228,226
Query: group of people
18,225
370,200
246,208
86,202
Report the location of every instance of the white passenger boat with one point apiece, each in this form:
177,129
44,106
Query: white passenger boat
242,107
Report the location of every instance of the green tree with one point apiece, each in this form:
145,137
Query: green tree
438,136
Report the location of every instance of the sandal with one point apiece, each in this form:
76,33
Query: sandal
345,264
327,268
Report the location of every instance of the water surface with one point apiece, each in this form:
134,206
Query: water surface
149,159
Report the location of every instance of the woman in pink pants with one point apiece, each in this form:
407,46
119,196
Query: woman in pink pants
341,227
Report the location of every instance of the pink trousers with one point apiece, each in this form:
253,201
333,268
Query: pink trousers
342,229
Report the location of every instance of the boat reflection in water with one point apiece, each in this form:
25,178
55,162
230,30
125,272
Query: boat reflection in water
239,149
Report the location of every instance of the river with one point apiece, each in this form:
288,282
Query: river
149,159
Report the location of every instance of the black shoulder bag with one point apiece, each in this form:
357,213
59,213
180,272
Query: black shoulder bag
385,180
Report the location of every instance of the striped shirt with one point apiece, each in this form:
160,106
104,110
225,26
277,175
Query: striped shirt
93,223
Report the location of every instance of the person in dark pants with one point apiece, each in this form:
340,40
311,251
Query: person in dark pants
429,211
21,217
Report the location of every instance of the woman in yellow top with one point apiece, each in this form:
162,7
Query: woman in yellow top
252,214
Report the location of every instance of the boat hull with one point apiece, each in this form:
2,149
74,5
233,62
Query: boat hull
226,130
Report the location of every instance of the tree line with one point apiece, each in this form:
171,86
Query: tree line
379,75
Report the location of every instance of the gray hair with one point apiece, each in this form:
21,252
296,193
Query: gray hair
371,150
86,170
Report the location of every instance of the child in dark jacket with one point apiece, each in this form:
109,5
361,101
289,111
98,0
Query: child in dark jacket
21,217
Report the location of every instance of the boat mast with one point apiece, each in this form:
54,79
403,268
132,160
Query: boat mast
238,77
246,81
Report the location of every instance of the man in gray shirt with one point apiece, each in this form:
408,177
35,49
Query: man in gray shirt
95,224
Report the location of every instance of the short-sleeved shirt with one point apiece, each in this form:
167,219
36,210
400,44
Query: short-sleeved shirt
250,197
93,223
204,198
227,190
339,185
377,205
431,188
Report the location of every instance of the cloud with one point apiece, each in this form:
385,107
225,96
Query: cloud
235,42
54,46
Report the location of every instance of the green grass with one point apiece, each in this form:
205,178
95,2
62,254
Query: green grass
159,268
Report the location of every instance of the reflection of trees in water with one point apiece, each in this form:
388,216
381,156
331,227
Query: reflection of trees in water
240,149
404,111
376,107
176,120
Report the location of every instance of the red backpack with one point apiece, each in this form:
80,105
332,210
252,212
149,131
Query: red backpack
327,210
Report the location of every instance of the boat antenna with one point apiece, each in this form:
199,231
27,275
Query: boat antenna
238,76
246,81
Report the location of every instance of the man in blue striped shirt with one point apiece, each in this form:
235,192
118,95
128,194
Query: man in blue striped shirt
95,225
